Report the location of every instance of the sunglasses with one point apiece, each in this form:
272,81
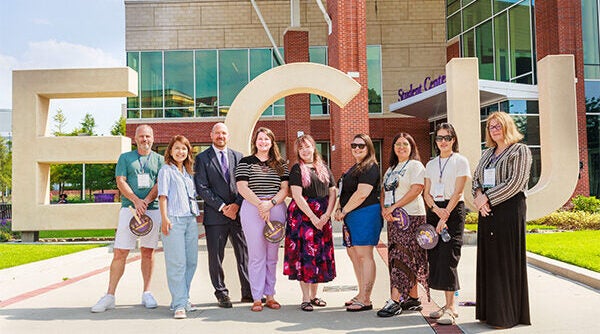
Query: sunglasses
360,146
405,144
445,138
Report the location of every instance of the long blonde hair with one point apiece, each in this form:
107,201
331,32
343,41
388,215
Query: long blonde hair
509,129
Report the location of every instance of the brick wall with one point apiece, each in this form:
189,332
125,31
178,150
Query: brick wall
347,52
453,51
558,31
297,106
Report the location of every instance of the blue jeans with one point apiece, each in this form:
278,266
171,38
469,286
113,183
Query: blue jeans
181,258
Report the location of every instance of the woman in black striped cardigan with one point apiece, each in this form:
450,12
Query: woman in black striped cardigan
499,186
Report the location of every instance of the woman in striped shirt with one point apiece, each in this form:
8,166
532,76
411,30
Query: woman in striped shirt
499,186
178,210
262,179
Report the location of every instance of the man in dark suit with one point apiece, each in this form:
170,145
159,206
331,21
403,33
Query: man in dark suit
215,183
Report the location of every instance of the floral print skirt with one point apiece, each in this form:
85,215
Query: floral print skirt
308,255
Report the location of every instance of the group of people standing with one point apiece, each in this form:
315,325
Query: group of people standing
242,194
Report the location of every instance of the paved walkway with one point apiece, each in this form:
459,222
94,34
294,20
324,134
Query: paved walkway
55,296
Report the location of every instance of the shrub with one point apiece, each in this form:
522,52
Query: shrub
571,220
6,232
471,218
584,203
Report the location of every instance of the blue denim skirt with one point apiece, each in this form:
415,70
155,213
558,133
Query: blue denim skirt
363,226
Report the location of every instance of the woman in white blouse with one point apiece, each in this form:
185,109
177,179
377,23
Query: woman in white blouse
445,177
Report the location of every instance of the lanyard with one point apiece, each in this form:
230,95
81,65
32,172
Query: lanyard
444,167
388,176
143,165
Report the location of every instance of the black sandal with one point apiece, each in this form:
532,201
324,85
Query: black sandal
305,306
318,302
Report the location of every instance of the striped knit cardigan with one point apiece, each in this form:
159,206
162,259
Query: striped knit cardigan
512,173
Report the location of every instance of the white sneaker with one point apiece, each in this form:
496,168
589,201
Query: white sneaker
179,314
107,302
148,300
189,307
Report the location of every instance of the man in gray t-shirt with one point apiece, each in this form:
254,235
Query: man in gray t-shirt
136,175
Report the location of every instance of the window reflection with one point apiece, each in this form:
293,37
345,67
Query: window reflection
204,83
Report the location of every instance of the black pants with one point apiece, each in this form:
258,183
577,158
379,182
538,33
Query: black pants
216,239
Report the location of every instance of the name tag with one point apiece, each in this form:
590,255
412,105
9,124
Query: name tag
143,180
489,178
438,192
389,198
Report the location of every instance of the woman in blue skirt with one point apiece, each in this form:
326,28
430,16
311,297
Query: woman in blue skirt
359,208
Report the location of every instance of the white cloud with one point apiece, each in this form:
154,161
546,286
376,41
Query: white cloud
57,54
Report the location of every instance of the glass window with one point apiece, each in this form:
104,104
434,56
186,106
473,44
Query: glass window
206,83
152,113
591,38
453,25
468,42
179,79
374,78
500,5
233,76
592,103
323,148
133,61
536,166
133,113
452,6
501,40
319,105
485,50
520,39
478,11
260,62
151,92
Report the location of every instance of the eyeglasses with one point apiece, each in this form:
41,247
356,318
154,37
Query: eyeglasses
405,144
445,138
360,146
495,127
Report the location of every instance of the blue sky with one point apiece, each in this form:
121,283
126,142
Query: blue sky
37,34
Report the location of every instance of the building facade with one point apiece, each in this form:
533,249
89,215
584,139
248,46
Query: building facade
194,56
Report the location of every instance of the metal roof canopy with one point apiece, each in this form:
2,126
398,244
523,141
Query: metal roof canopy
432,103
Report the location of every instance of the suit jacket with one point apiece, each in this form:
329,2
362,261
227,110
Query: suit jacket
212,187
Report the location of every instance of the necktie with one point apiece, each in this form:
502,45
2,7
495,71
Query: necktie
224,167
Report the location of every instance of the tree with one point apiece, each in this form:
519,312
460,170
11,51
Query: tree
5,167
88,124
61,122
118,129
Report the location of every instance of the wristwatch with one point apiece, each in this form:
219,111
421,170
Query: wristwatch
273,201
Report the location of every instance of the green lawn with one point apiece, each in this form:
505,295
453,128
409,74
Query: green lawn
16,254
581,248
473,227
77,233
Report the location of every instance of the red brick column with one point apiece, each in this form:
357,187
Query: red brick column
347,51
452,51
558,31
297,106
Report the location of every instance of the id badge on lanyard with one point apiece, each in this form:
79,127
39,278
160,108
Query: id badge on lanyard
438,192
143,180
389,198
489,178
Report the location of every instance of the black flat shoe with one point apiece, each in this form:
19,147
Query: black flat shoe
305,306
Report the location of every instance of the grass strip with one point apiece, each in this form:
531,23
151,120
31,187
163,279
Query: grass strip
529,227
580,248
12,255
77,233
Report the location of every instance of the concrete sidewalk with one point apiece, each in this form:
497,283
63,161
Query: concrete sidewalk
55,296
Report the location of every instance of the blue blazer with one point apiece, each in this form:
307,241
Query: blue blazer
212,187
